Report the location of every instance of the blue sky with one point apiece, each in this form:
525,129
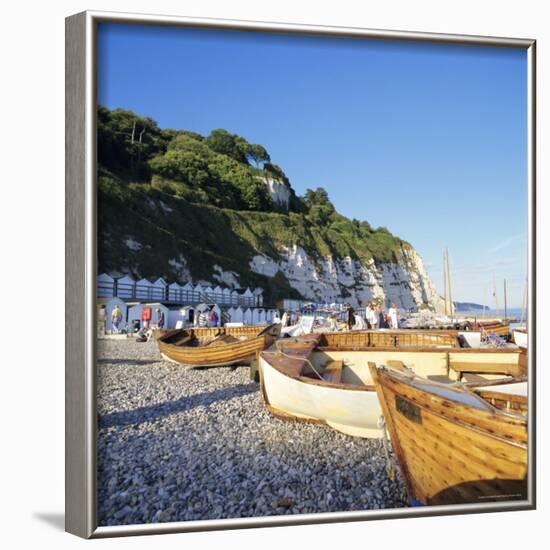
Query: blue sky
428,140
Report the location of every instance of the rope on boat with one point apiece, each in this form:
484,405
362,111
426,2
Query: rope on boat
390,469
299,358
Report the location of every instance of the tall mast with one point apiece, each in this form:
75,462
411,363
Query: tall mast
445,281
495,294
451,305
505,302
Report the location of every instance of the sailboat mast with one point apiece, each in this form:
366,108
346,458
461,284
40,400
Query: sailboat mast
445,281
451,305
505,302
495,294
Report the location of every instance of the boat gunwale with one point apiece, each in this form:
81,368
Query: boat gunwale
493,413
353,387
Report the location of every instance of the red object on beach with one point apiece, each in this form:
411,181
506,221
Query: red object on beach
146,314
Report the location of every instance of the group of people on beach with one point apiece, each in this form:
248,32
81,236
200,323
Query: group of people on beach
207,318
375,317
116,319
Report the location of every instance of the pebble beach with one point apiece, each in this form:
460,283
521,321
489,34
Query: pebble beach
177,444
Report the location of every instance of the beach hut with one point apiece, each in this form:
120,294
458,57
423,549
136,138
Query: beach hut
258,297
178,317
187,292
160,291
238,315
144,289
258,316
274,316
105,308
218,295
247,317
198,293
235,298
209,294
231,314
226,293
174,292
105,286
248,297
125,287
134,312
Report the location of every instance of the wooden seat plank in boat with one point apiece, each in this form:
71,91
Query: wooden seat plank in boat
509,369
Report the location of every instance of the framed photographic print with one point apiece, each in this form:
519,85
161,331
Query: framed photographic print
300,277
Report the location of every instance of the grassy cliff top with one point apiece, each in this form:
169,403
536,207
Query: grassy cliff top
179,194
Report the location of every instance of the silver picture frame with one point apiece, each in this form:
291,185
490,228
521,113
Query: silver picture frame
80,271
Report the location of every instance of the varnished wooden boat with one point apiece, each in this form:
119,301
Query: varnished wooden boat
325,378
454,445
213,347
497,328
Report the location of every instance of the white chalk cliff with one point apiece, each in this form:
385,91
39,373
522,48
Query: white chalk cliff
328,280
278,191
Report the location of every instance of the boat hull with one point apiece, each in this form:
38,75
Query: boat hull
449,452
520,338
241,353
352,411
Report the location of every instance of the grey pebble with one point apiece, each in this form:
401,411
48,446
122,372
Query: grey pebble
179,444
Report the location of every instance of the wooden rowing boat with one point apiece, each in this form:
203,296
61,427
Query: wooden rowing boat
498,328
455,445
214,347
325,378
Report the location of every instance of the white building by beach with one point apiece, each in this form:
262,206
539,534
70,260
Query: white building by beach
247,317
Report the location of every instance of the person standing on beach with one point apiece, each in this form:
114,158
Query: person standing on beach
382,321
203,318
370,315
285,319
350,316
116,318
213,318
392,316
160,322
